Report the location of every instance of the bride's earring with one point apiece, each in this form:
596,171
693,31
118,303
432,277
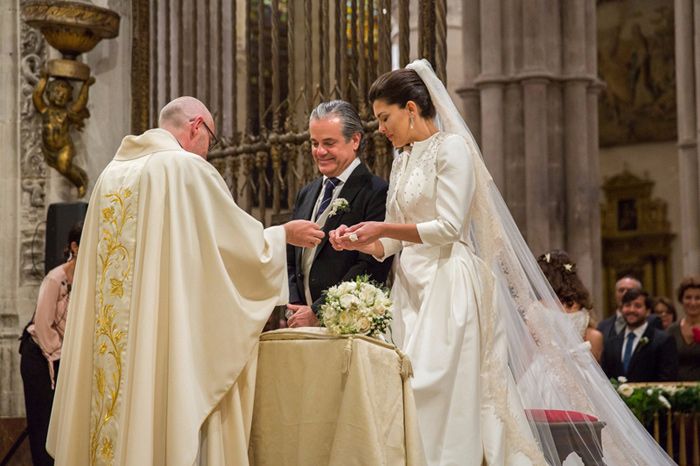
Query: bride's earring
410,120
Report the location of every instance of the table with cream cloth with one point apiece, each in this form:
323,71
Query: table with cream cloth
325,400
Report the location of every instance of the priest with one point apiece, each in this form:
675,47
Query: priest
173,285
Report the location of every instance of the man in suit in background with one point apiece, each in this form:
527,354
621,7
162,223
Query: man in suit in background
614,324
347,193
641,352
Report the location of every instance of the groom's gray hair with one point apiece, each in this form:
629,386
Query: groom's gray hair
352,123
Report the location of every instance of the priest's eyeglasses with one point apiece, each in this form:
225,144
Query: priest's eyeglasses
214,142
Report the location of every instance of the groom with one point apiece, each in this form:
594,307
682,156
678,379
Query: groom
347,193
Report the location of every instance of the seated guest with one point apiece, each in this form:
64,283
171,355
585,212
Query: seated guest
346,193
641,353
560,271
664,308
686,332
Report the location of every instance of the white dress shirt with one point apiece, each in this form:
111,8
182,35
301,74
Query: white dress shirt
638,332
343,177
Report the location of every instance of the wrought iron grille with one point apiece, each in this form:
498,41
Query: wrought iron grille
296,53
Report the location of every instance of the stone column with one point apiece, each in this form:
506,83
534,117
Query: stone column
535,83
514,189
579,181
10,385
593,92
491,83
22,203
471,46
687,21
555,117
539,119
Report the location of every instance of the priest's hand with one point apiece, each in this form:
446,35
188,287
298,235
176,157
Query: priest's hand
302,316
303,233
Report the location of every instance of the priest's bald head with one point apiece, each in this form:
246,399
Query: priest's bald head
191,123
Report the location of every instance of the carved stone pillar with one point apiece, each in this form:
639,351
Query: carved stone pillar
471,46
535,83
687,21
22,204
579,180
491,85
538,103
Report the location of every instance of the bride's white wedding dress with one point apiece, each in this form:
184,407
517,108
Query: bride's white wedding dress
446,319
475,314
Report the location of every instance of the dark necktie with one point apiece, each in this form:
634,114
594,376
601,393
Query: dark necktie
627,355
328,188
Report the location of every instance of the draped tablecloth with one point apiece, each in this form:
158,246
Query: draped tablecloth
326,400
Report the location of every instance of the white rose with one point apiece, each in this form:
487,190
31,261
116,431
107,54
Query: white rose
345,288
368,294
364,325
650,392
664,402
625,390
379,309
347,301
622,379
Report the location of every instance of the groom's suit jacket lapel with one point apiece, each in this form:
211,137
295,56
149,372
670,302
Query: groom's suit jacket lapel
348,191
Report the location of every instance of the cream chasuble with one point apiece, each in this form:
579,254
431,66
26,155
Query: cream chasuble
173,285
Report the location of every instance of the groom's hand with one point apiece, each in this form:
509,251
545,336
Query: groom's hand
302,316
303,233
334,237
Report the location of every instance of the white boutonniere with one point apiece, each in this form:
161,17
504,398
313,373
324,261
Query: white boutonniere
339,205
643,341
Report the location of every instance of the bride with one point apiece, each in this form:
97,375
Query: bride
473,310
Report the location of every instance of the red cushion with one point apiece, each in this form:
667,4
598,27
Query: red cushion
558,415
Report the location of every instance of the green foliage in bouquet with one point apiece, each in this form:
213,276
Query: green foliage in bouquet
358,307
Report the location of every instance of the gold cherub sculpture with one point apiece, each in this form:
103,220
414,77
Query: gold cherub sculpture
58,116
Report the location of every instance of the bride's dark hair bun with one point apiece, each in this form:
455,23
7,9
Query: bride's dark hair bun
398,87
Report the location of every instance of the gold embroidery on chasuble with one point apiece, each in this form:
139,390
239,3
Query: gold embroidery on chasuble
115,255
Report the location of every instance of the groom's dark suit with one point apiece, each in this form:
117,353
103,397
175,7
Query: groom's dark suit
654,361
366,195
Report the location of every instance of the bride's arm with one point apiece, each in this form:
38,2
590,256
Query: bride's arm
378,239
455,187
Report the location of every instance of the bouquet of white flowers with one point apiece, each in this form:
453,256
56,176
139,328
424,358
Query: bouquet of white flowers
356,307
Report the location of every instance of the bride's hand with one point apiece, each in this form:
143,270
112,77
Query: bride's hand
362,234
